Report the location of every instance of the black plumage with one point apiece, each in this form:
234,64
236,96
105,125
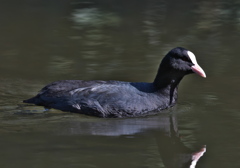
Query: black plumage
118,98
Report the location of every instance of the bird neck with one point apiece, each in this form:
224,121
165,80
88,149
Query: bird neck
167,85
166,78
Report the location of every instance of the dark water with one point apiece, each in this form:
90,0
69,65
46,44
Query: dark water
43,41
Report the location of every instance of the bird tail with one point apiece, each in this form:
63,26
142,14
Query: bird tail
33,100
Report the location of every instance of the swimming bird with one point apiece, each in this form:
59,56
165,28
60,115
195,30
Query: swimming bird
117,99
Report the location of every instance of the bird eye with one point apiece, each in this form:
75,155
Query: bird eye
186,59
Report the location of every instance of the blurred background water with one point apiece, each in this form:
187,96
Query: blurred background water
43,41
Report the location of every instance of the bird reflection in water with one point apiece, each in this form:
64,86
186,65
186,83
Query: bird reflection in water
173,152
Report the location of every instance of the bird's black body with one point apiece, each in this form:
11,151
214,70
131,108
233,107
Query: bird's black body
104,98
117,98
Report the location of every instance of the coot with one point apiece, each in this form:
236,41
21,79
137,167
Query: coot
118,98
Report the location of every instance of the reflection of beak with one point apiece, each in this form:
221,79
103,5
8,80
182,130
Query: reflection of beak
196,156
198,70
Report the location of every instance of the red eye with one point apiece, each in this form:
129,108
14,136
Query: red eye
186,59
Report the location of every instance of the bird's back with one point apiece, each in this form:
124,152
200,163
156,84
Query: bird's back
101,98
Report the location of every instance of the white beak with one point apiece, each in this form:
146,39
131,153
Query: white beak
196,68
